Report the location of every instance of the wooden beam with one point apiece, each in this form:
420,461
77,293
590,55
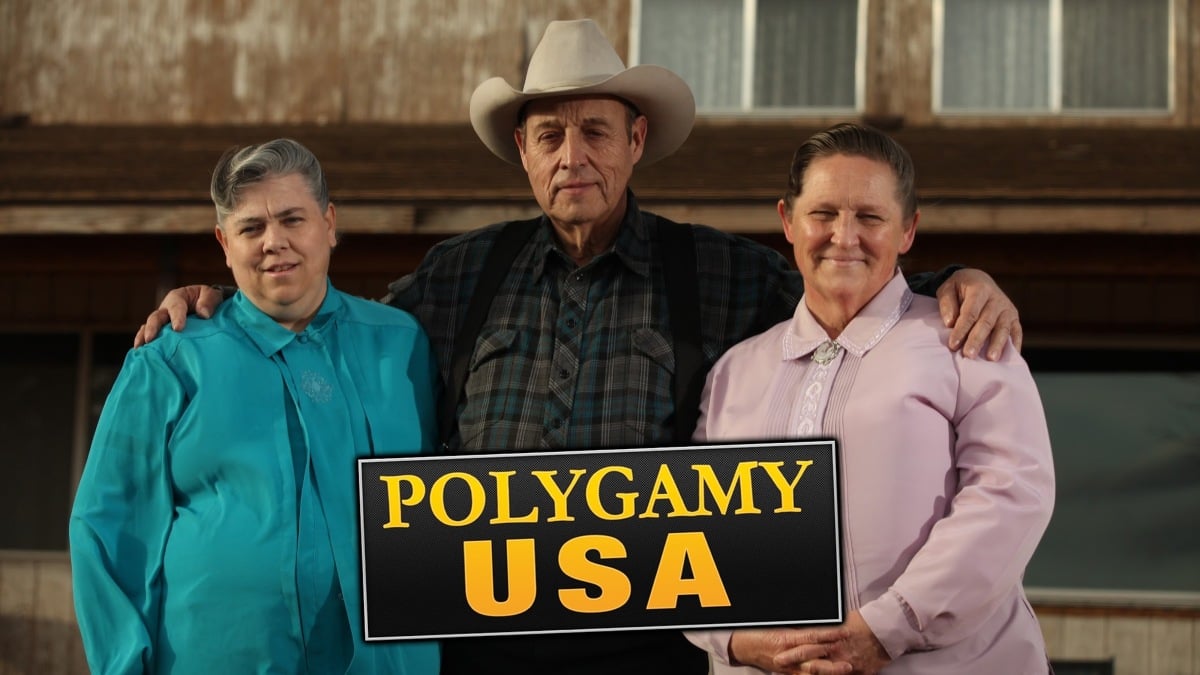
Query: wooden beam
743,218
435,164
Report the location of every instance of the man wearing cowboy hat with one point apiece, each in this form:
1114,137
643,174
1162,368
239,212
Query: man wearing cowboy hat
578,336
564,332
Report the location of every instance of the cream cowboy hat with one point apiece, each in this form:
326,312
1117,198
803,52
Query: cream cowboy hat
575,59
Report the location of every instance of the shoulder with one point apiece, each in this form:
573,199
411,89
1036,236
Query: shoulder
765,345
465,244
371,313
176,356
922,326
736,263
923,319
197,334
712,240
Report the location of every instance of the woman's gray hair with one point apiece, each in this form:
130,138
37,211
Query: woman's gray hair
239,168
858,140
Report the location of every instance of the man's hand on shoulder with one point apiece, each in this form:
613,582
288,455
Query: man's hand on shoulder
203,300
978,314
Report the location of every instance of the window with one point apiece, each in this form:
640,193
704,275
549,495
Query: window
742,56
1052,56
57,383
1082,667
1125,431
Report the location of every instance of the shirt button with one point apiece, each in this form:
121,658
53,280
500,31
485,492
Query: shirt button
571,323
579,277
556,423
562,373
302,338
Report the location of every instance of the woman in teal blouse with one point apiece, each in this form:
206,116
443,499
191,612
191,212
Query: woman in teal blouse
215,526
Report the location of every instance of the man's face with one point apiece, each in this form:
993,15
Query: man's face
579,154
277,241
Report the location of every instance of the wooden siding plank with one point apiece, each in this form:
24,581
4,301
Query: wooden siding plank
450,217
1084,637
17,598
178,219
56,637
1128,640
1195,646
720,163
1171,646
1052,632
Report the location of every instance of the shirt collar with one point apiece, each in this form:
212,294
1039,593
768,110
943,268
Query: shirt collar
864,331
269,336
631,247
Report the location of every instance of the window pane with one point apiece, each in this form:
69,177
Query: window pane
701,40
35,462
996,54
108,354
1126,439
1115,53
805,53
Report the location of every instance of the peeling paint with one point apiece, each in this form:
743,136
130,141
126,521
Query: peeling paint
267,61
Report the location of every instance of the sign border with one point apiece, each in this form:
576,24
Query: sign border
832,444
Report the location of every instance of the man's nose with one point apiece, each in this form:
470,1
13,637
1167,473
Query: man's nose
573,151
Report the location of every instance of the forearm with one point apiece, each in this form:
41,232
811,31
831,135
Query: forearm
927,283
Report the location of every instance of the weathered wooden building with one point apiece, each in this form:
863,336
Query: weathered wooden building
1061,159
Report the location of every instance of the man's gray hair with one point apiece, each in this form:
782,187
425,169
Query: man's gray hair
239,168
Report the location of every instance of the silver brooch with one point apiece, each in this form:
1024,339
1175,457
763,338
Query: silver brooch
826,352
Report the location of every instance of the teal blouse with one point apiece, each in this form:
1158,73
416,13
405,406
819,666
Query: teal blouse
215,528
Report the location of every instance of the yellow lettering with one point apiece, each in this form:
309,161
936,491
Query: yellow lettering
787,490
395,500
614,585
741,481
479,581
666,488
593,494
669,583
504,502
558,495
437,498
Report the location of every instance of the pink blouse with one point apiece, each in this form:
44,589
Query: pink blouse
947,477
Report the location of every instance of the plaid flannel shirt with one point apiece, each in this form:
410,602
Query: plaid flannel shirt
577,357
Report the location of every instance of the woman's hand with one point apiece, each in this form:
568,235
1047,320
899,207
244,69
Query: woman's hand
850,648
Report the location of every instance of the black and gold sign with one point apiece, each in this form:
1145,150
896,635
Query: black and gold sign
689,537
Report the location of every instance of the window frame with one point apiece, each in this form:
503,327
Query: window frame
747,108
1055,108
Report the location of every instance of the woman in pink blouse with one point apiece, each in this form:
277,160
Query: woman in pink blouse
947,478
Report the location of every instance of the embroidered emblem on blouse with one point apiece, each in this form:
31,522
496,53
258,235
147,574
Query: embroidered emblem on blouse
317,388
814,387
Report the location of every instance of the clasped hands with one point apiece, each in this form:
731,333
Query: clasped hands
842,650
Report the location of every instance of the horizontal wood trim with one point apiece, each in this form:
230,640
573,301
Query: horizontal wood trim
177,219
746,161
757,218
1111,601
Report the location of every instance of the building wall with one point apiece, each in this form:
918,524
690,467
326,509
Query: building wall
38,633
268,61
356,61
143,64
